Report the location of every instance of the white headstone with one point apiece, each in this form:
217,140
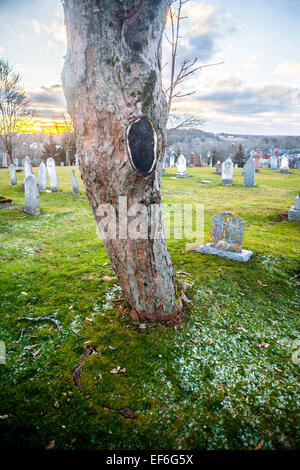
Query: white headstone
31,195
13,175
284,165
273,161
42,176
16,163
249,172
181,167
294,212
67,157
172,160
75,185
52,175
27,167
227,172
76,160
4,160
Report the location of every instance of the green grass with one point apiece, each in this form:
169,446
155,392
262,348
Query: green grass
237,395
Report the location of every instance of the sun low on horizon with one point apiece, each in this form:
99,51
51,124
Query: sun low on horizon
46,125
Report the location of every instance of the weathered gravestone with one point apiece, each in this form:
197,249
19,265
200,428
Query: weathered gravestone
31,195
219,168
192,159
294,212
274,162
75,185
172,160
16,163
181,167
226,240
249,172
4,160
257,159
284,165
200,161
297,164
52,175
13,175
42,176
76,160
227,172
209,158
27,167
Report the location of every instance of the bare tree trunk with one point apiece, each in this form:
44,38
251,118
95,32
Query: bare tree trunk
112,83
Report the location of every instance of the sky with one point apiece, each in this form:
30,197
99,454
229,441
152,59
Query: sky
255,91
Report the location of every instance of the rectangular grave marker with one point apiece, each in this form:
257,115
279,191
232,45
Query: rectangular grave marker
226,240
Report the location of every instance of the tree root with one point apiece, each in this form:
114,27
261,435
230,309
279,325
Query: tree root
78,368
56,322
125,412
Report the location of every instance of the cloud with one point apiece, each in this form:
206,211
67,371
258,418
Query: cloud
37,26
2,49
55,30
202,25
288,69
246,100
48,97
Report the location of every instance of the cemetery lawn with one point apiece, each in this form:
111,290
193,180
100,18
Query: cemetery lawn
226,380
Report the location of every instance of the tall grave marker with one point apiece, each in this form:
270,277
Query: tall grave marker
31,195
52,175
227,172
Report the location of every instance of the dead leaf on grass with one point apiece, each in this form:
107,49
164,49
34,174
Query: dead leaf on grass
259,445
36,352
50,445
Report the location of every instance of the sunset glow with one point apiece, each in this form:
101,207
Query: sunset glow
49,126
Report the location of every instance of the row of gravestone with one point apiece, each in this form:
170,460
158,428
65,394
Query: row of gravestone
33,187
226,169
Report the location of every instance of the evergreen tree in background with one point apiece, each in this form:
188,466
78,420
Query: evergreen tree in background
240,156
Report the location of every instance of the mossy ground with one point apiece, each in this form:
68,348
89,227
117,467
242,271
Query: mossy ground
235,396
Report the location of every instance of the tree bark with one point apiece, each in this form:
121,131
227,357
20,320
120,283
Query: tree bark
112,84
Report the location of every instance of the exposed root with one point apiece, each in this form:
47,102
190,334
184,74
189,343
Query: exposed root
125,412
56,322
78,368
184,286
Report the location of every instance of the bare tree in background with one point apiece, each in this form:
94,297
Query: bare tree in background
14,113
64,127
178,76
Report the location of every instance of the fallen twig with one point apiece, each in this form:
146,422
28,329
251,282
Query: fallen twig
21,336
56,322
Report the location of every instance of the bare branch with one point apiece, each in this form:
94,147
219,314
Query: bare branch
15,116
